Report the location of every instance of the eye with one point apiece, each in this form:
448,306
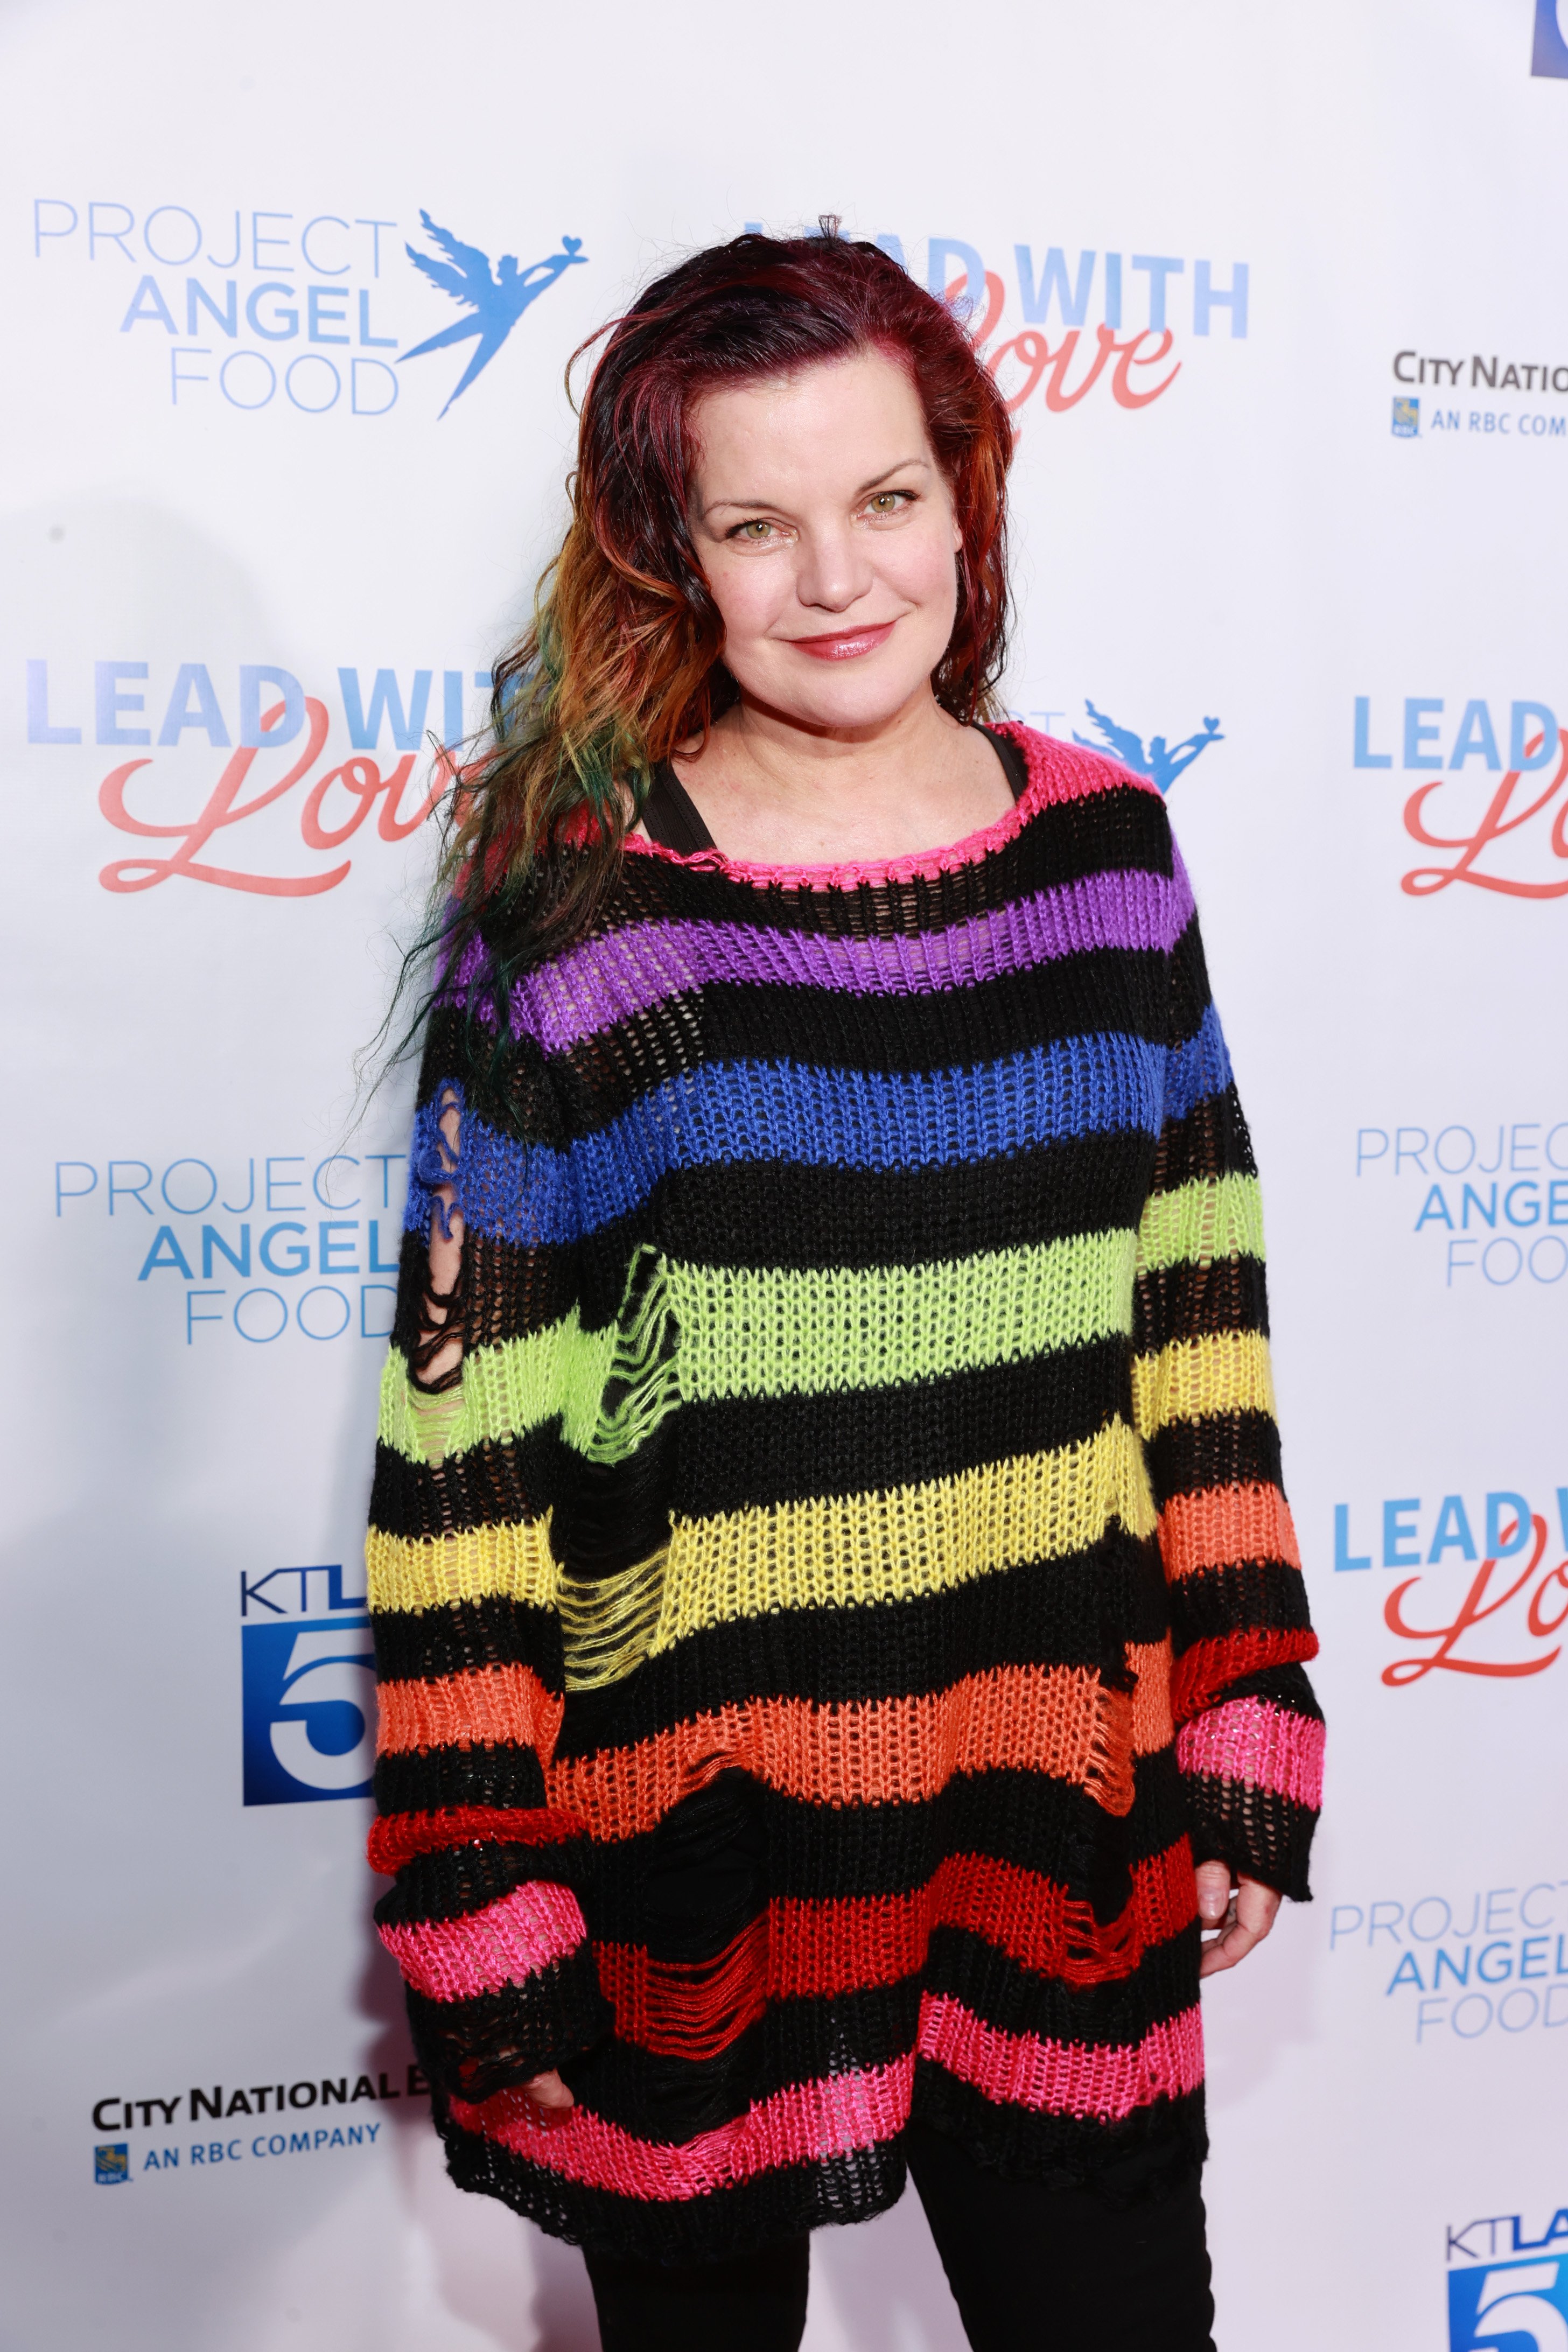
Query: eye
888,502
754,533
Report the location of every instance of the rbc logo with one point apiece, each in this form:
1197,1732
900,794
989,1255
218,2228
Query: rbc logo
1510,2307
111,2163
310,1688
1407,420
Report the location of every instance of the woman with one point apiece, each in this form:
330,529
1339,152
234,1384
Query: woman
839,1623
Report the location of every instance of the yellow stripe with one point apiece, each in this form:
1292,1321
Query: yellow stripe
510,1563
1213,1217
861,1549
608,1622
1226,1372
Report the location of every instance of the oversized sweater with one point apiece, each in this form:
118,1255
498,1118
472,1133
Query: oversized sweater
854,1583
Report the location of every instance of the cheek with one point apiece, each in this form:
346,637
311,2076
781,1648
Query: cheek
748,593
922,564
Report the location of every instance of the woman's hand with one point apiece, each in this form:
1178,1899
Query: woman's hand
548,2092
1243,1909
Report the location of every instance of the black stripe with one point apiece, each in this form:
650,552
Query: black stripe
1078,1611
787,1215
493,1484
1188,1300
1115,989
1212,1140
1223,1449
1124,2161
1256,1596
1120,830
464,1637
510,1779
740,1452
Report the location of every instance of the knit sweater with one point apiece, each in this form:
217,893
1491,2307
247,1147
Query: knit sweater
854,1581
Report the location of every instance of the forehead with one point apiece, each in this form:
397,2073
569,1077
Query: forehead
836,414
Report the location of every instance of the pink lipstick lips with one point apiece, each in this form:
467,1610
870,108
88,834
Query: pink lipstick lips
847,644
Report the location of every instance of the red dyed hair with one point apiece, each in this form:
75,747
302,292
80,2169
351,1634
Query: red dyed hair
624,658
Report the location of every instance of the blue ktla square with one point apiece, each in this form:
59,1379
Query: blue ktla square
1549,54
1510,2307
1407,419
111,2163
310,1710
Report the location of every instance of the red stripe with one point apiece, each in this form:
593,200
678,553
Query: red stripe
1202,1672
819,1951
397,1838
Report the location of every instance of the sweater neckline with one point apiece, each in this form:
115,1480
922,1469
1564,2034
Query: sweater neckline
923,865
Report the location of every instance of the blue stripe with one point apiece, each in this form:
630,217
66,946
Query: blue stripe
1197,1070
730,1113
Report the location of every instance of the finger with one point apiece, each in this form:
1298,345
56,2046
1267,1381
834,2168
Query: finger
1212,1882
1257,1906
1225,1950
549,2091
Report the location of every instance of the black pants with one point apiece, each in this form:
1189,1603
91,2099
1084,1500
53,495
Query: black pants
1032,2270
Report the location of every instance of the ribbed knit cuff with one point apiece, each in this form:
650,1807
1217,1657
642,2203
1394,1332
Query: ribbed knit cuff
500,2040
1253,1772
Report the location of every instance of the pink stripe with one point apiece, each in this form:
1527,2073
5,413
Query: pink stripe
1262,1746
1057,771
1063,2078
806,2123
508,1941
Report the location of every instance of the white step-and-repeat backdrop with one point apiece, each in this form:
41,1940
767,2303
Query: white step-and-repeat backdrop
1278,298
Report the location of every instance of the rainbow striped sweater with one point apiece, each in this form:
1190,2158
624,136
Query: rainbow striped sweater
854,1580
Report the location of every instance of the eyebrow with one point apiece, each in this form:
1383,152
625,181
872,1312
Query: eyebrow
899,467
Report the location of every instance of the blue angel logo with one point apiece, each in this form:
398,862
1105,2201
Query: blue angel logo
498,299
1162,763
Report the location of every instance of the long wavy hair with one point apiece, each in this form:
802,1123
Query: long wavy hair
623,660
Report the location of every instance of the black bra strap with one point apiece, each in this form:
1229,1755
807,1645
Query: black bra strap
670,814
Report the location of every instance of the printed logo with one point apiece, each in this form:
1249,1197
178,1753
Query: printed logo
1486,371
1494,1606
1498,835
498,299
112,2163
261,310
1485,1965
1510,2307
308,1688
1486,1205
1163,763
1059,332
1549,54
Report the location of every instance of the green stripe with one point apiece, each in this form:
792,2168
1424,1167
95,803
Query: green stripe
781,1333
778,1332
1209,1219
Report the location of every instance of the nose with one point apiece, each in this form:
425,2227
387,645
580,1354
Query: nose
834,570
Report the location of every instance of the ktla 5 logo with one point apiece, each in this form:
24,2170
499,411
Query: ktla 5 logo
1509,2306
309,1679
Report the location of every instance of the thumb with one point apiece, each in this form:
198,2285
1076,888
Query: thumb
1213,1892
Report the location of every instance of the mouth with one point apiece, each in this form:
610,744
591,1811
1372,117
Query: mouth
845,644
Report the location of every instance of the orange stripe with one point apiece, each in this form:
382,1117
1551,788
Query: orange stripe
1223,1525
502,1706
1153,1728
1055,1719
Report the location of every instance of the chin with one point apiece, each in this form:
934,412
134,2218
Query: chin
861,695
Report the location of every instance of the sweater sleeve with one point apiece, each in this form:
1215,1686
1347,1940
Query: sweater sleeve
482,1918
1249,1734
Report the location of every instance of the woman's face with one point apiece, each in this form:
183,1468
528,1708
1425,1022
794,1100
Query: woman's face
828,535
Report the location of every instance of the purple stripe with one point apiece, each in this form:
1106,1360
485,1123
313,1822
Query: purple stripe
628,971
